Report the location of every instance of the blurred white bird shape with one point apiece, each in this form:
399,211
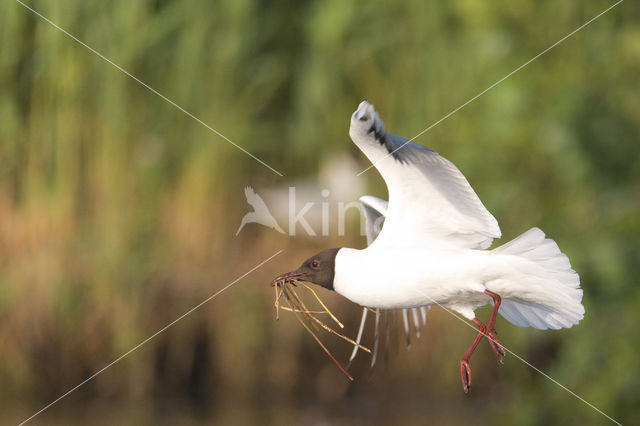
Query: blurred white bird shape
260,213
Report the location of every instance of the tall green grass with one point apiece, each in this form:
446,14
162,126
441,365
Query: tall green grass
118,211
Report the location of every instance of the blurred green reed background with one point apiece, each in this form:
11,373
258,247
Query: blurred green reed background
118,212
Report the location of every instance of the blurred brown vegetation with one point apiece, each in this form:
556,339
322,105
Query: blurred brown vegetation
118,212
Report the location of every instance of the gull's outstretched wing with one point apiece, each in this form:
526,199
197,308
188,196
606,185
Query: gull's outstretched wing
385,323
430,200
374,210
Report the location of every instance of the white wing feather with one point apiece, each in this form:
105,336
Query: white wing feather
375,210
430,200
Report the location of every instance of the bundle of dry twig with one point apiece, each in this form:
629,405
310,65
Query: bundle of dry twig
308,317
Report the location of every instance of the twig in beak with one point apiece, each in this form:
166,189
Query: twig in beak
308,315
320,343
301,306
277,303
284,308
345,338
308,320
324,306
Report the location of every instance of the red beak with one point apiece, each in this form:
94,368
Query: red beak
288,277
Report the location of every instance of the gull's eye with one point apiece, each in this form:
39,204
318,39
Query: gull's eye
314,264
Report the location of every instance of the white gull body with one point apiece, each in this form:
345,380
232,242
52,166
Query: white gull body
432,249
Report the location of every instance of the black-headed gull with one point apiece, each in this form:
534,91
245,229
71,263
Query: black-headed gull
432,249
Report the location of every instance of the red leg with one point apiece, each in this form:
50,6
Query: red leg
465,368
491,331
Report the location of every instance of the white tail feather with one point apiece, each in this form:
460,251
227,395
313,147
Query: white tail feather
539,289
